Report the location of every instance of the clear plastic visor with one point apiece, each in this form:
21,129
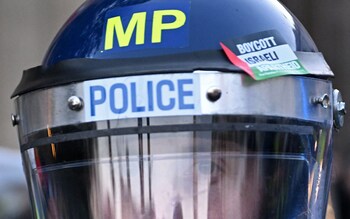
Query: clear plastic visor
206,167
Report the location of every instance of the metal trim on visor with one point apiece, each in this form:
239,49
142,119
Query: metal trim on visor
180,94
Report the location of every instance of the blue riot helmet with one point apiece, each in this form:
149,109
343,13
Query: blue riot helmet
179,109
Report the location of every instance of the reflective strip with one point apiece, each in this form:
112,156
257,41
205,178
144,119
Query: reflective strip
289,97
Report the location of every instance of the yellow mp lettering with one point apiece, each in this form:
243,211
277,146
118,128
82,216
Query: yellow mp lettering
158,26
114,25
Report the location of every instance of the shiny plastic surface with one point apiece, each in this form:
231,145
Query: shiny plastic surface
210,22
252,173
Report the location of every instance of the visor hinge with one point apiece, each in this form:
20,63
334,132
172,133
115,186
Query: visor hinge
339,109
14,119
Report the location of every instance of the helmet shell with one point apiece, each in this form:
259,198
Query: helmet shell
207,24
159,36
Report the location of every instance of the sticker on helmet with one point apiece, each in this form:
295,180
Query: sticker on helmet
263,55
147,25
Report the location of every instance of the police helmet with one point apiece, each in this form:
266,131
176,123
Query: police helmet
179,109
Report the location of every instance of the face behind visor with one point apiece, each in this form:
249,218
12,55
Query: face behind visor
123,121
218,174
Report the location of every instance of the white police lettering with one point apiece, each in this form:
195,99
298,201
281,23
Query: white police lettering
141,96
256,45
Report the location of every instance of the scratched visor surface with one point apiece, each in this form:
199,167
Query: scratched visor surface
230,167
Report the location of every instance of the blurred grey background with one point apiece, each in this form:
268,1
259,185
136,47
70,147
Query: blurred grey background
28,26
328,23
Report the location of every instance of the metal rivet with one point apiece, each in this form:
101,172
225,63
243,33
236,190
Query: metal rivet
75,103
324,101
14,119
213,94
